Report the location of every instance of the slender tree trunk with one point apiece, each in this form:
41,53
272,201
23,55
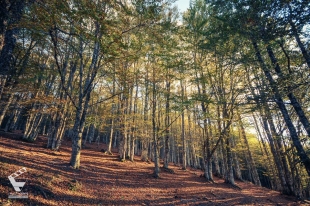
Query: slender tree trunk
237,169
134,126
270,168
111,134
294,102
249,174
86,135
3,79
123,129
33,121
223,158
155,139
52,130
11,118
217,171
191,142
145,140
91,134
6,108
229,178
277,160
293,134
271,135
183,130
280,154
167,125
130,126
112,117
60,132
208,155
76,141
207,146
252,166
299,42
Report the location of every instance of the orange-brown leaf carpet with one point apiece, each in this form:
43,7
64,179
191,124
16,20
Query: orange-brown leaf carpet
104,180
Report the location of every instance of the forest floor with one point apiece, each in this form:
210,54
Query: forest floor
104,180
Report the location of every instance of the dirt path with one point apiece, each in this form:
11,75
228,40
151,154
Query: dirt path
103,180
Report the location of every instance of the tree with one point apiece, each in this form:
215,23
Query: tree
11,13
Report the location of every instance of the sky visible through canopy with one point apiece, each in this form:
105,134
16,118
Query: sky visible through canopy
182,4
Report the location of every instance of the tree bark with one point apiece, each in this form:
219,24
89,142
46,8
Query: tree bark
236,164
251,160
134,126
229,177
279,101
154,128
112,116
167,125
78,132
10,35
294,102
184,157
145,140
299,42
6,107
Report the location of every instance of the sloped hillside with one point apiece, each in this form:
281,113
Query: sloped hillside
103,180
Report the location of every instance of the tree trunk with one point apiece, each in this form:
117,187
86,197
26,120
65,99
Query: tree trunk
229,177
277,161
144,154
132,149
76,140
78,132
91,134
292,130
112,116
208,155
252,166
300,44
183,130
123,127
33,121
236,161
294,102
154,128
223,158
280,153
86,135
11,118
57,144
217,171
10,35
264,150
3,79
145,140
134,126
167,125
111,134
6,108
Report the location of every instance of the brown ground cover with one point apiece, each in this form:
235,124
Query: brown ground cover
103,180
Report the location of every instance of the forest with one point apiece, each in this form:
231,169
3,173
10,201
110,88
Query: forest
222,87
